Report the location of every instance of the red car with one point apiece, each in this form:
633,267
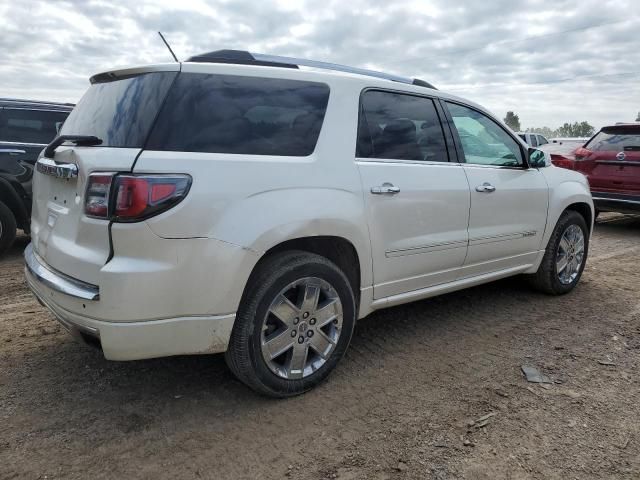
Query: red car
611,162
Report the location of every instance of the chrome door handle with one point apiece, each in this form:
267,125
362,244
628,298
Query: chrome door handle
385,188
486,187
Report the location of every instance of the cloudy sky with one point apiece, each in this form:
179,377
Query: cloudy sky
550,61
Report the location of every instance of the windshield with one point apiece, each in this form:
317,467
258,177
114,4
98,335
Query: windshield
120,112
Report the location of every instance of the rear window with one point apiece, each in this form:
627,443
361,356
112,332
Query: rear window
242,115
120,112
615,140
29,126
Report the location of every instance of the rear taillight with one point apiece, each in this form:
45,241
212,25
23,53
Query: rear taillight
131,198
582,153
96,200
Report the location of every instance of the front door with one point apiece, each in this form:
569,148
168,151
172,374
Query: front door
417,201
509,201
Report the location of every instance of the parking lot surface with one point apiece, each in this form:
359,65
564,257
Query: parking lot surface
432,389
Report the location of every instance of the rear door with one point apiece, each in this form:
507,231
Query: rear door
611,160
120,110
509,201
417,201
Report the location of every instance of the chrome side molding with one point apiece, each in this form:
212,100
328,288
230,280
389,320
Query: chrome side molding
57,281
60,170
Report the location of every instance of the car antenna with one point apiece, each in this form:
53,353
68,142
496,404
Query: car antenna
169,47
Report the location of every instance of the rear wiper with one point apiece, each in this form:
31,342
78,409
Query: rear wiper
80,140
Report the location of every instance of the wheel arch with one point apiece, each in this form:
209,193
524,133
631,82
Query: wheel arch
585,210
339,250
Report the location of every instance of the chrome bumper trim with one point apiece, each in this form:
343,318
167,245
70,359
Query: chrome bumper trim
616,200
58,281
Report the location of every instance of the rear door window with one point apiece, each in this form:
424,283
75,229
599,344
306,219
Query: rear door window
400,127
29,126
241,115
534,140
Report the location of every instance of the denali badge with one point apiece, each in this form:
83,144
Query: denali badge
60,170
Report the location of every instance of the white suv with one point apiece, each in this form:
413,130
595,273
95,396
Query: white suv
260,205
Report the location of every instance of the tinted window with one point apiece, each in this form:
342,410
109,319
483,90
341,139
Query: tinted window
400,127
120,112
484,142
534,140
245,115
523,136
542,140
615,141
29,126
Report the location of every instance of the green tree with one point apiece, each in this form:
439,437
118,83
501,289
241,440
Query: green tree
513,121
546,131
581,129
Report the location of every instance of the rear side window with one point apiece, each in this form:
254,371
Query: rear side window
534,141
29,126
120,112
242,115
615,140
399,127
542,140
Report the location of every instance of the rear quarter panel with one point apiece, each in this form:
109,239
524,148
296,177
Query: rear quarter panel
256,202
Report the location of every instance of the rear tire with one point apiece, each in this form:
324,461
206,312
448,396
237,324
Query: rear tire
552,278
7,228
283,343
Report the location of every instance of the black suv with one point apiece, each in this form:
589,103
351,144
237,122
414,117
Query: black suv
26,127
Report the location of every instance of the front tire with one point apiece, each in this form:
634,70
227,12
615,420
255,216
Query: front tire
565,256
294,324
7,228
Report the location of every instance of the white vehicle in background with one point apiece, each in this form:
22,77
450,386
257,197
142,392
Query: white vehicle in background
533,139
260,205
577,141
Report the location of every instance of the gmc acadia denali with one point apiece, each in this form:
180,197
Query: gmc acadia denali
259,205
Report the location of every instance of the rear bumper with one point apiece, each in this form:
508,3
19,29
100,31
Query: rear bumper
197,334
614,202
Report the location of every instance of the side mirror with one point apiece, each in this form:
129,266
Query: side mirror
538,158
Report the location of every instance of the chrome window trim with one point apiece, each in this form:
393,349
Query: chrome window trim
56,280
27,144
407,162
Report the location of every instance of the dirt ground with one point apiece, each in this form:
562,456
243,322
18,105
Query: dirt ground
400,405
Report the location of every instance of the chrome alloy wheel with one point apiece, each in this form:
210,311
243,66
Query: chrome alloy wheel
301,328
570,254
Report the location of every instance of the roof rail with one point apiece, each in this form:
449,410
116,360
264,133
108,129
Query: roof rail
36,102
248,58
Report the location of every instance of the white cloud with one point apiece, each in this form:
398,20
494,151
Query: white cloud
550,61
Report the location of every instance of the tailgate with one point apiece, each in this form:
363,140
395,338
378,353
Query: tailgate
62,235
119,110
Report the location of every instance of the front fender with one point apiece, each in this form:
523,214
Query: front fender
566,188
